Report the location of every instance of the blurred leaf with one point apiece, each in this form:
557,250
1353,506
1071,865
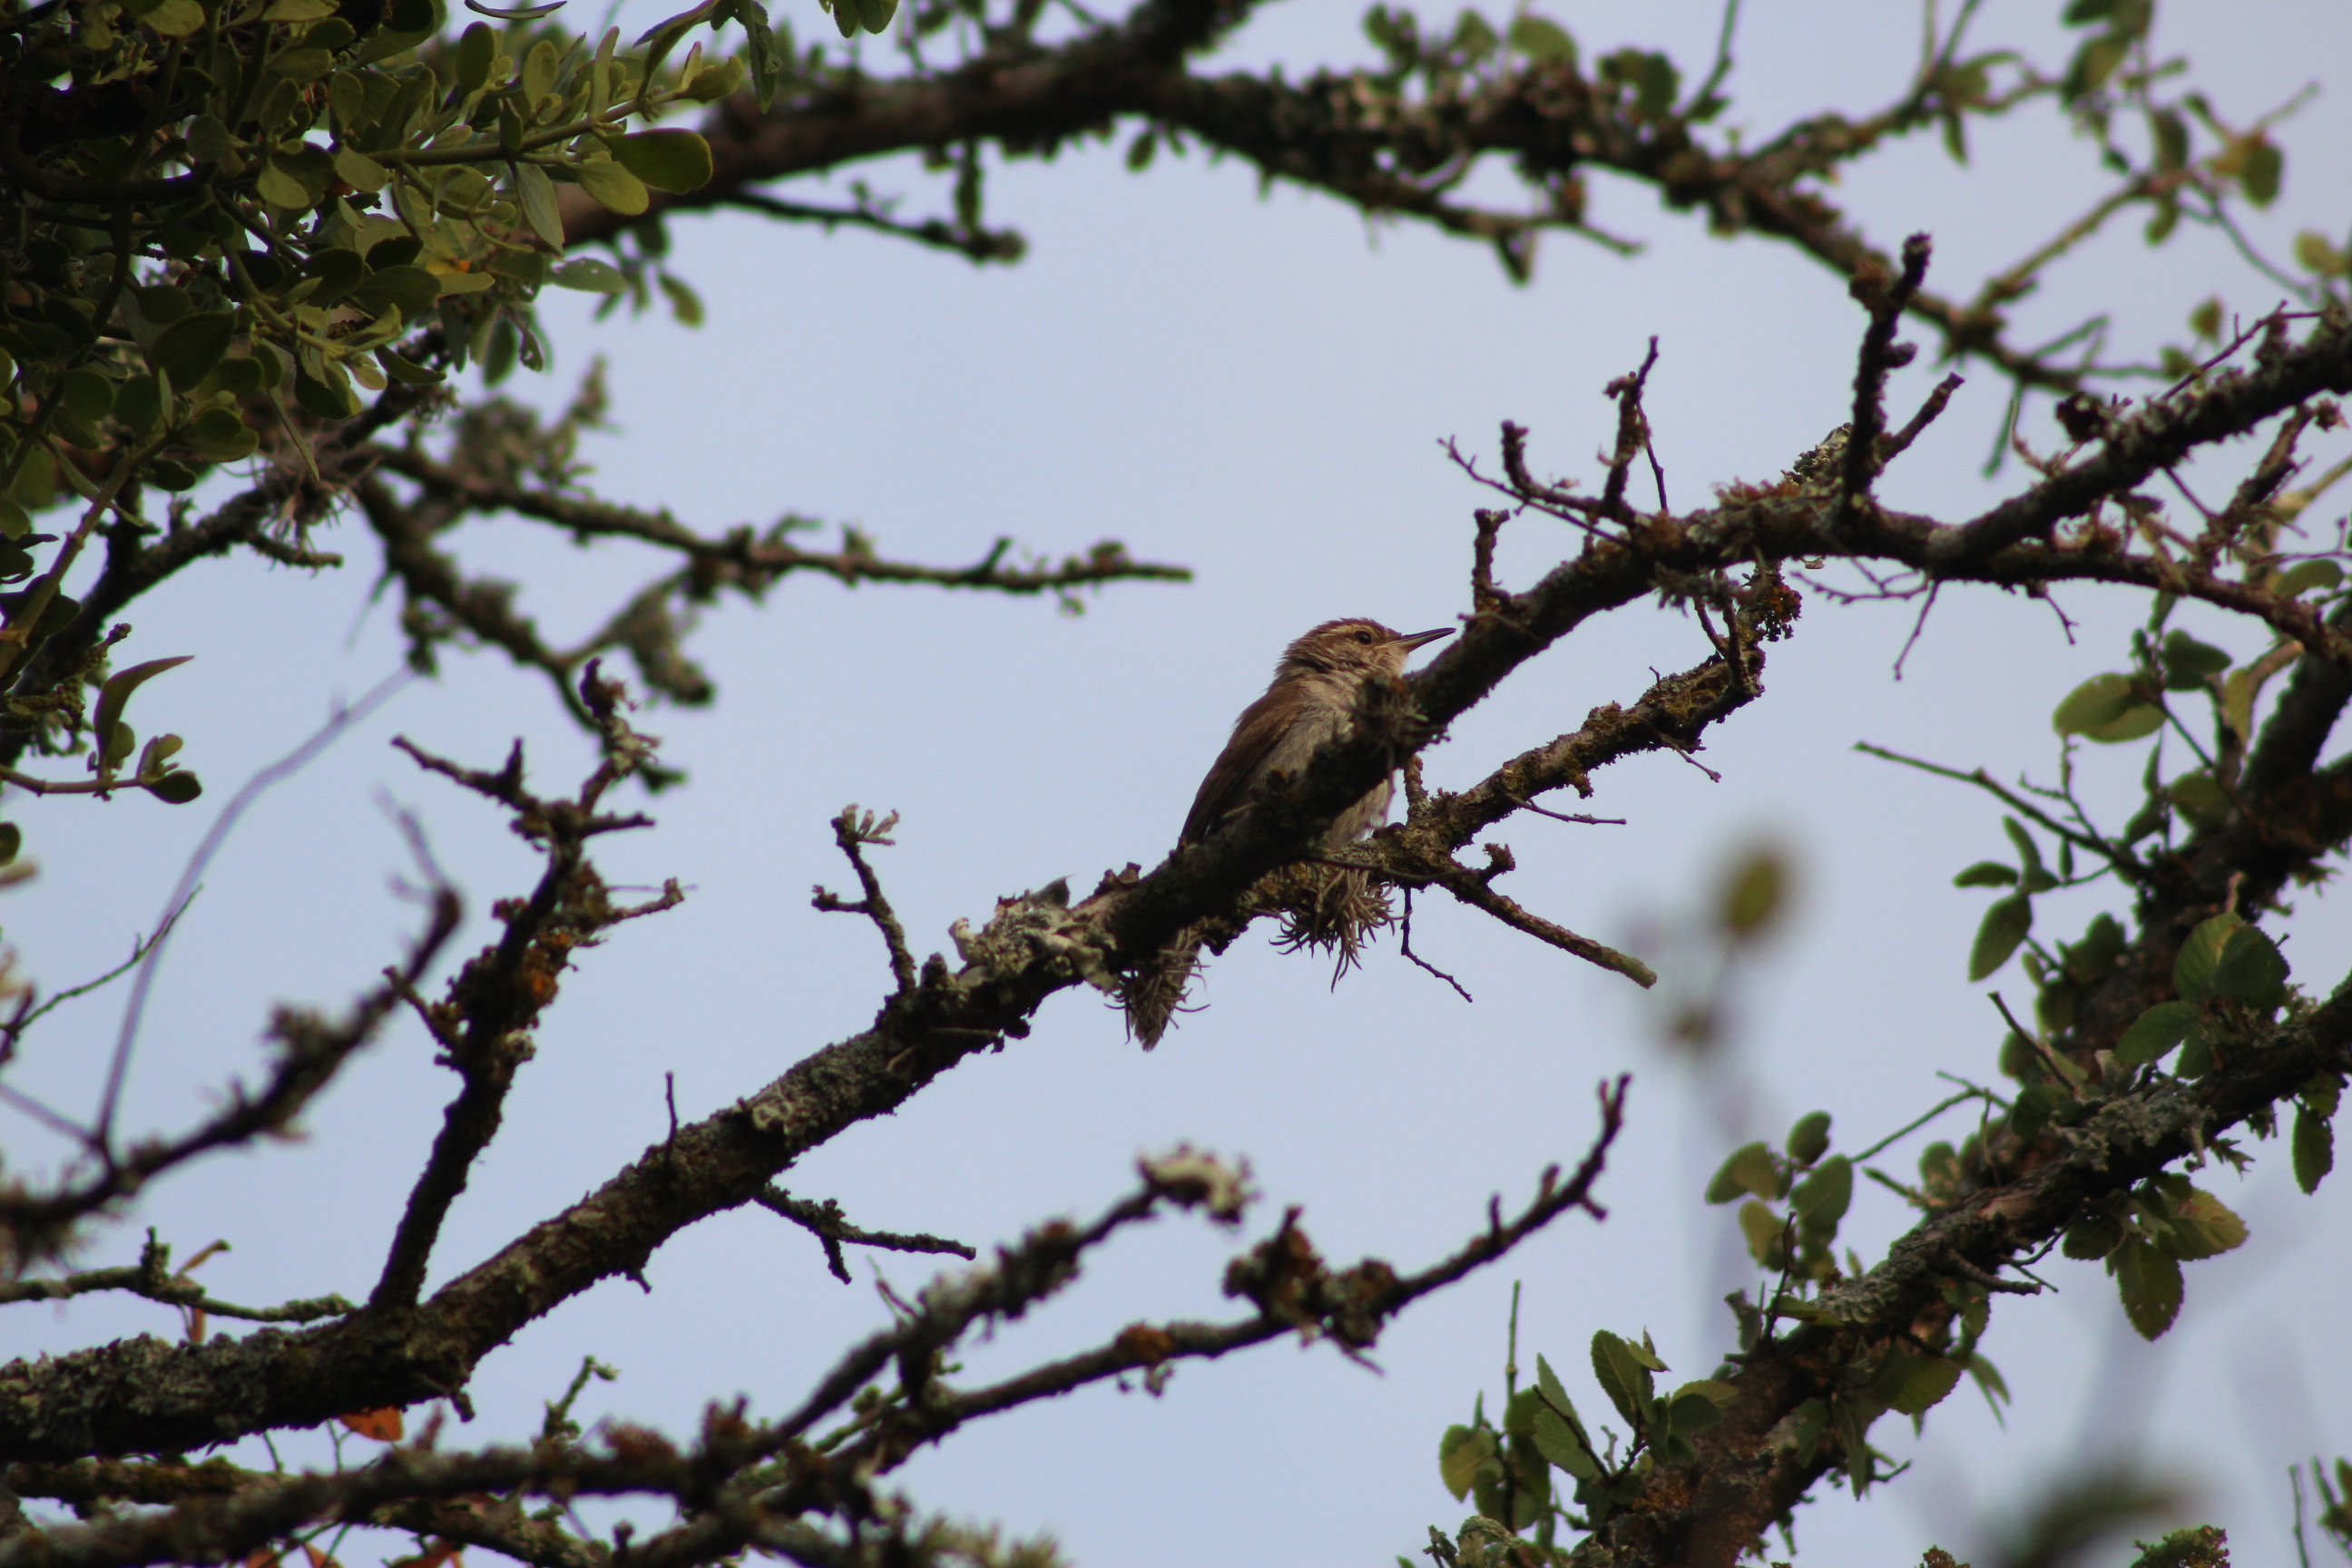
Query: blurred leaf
2192,970
2190,665
2314,1146
2093,1236
2305,575
2251,969
2149,1284
1558,1442
2263,167
666,160
1822,1198
1986,874
1544,41
409,290
2106,709
2200,798
1752,894
1459,1454
2005,925
175,788
613,187
1765,1233
2318,254
1810,1138
1915,1385
2204,1226
1751,1169
2155,1032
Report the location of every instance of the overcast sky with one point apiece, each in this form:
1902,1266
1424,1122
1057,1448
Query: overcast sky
1256,385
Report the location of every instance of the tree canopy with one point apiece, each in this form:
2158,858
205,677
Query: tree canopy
277,274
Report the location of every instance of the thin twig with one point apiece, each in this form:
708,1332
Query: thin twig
286,767
1404,945
824,1221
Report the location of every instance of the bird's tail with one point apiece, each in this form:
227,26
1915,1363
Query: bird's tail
1153,993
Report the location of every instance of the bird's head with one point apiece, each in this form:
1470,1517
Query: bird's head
1353,646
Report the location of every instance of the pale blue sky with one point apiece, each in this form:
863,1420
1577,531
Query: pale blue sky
1255,385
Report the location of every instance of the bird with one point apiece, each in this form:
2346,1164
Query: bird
1313,699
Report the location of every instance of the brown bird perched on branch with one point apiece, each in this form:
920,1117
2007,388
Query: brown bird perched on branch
1313,700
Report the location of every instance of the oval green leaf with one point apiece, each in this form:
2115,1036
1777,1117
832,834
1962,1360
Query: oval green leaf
613,187
2005,925
666,160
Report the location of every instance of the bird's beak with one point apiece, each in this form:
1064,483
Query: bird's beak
1418,638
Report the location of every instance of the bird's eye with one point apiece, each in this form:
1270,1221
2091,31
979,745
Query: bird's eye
1365,638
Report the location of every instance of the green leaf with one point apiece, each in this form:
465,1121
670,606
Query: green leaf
1558,1442
2190,665
2192,970
477,50
1822,1198
1765,1233
2315,1148
1544,41
409,290
666,160
1621,1375
2004,926
2150,1283
301,66
1751,1169
1551,1389
536,194
280,188
2200,798
175,788
2106,709
2305,575
873,15
1986,874
192,347
2153,1032
684,303
2203,1226
2251,969
589,275
141,406
1752,894
759,43
1915,1385
115,694
175,18
538,70
361,172
1459,1454
407,371
1809,1140
2318,253
2262,170
613,187
86,397
221,435
12,839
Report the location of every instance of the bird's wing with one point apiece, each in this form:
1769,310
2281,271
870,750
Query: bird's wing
1255,743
